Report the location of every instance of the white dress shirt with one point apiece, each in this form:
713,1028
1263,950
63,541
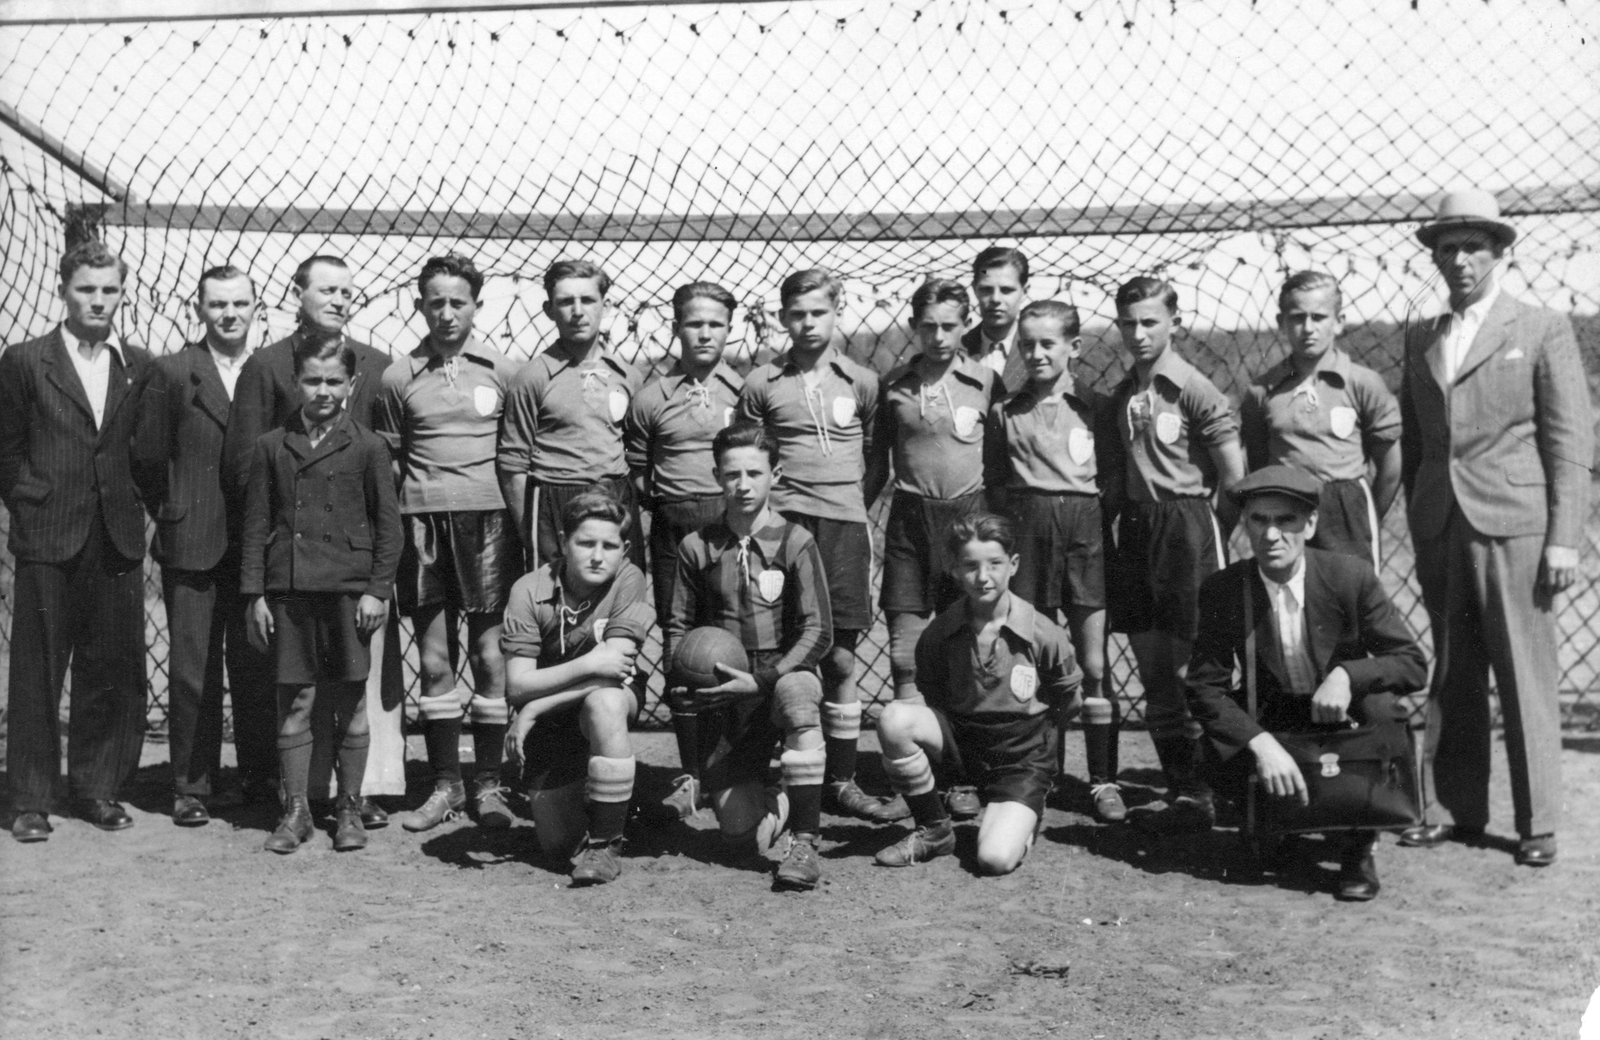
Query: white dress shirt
1462,328
1288,610
93,364
228,367
996,351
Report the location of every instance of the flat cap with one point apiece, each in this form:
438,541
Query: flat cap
1289,481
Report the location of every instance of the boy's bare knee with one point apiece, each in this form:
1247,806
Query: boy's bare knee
896,721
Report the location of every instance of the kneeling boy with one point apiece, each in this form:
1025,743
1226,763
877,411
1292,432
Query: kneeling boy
995,676
760,577
571,633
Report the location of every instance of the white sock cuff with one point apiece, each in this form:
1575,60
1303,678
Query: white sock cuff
610,779
910,775
444,706
491,711
801,768
1096,711
841,721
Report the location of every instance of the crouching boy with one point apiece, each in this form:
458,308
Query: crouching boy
571,633
760,577
994,678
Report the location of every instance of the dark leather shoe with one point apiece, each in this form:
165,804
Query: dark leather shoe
31,826
1427,835
189,811
348,832
372,815
1539,851
105,814
294,829
1358,879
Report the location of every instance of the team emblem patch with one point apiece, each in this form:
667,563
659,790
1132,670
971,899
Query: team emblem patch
844,411
617,402
485,399
599,627
967,421
1080,445
1343,421
1330,764
1168,426
1024,681
727,417
770,585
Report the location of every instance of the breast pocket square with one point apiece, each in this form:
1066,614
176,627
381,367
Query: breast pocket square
1514,354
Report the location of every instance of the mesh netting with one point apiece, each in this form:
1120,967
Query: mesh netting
1219,143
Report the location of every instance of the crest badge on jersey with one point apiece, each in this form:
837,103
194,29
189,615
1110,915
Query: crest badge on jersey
599,628
485,399
1168,426
1080,445
1343,421
1024,682
727,417
770,584
967,421
844,411
617,403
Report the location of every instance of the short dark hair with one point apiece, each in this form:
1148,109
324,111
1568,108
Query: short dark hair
564,269
1144,287
594,505
935,291
302,274
744,435
812,279
1310,281
982,527
451,265
92,253
1055,310
308,348
1001,256
222,273
701,291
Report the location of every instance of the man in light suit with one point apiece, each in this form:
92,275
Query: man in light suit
1496,444
1330,648
265,397
178,463
67,407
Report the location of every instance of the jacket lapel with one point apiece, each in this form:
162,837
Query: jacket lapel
64,376
118,382
1322,631
209,393
1430,352
336,439
1269,649
1491,336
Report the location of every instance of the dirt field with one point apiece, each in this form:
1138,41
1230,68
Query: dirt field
1104,933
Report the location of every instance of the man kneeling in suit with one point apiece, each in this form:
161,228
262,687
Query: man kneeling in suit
1330,647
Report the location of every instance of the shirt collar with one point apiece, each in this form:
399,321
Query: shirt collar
1296,583
1021,619
1479,310
830,357
424,355
989,346
965,368
112,341
1333,365
721,373
1173,367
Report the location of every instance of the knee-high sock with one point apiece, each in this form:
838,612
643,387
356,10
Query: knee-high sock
802,779
912,778
841,728
489,717
1099,737
606,793
352,762
294,763
441,730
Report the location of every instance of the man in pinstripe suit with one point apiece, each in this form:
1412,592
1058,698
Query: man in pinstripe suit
67,407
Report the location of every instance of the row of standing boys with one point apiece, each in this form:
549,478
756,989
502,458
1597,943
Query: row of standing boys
308,492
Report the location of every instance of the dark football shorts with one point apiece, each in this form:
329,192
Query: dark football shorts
738,741
466,561
1007,756
670,523
315,639
1060,549
916,560
548,501
846,549
1164,551
1347,521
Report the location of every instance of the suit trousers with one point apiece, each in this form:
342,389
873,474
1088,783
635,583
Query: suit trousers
87,611
206,627
1487,612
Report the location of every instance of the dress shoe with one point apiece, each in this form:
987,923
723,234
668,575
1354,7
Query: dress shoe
1108,803
963,803
189,811
372,815
1537,852
31,826
1358,878
1430,835
295,827
349,833
105,814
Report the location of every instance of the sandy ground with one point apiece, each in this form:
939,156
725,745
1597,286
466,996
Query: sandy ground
1103,933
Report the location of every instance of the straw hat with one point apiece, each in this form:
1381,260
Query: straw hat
1471,207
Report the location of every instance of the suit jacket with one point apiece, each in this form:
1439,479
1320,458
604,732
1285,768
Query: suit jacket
178,461
323,519
55,467
1350,622
1511,440
1015,376
266,395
